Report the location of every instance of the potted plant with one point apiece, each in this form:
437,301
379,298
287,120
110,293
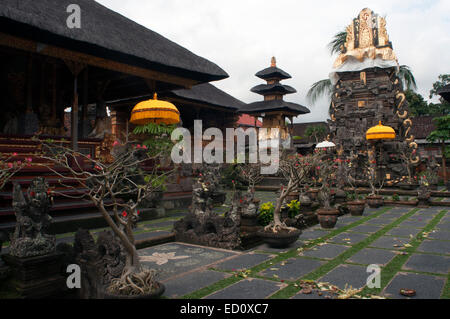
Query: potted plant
295,169
325,171
355,204
107,185
374,200
423,194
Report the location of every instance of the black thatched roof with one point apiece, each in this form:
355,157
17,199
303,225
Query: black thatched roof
209,94
103,33
276,88
445,92
273,73
274,105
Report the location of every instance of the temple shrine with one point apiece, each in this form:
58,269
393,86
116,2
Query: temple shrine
274,109
367,91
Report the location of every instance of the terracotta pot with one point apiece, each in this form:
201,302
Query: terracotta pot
292,196
313,194
356,208
154,295
327,217
281,239
374,201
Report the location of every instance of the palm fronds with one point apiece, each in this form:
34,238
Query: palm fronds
407,78
338,41
319,89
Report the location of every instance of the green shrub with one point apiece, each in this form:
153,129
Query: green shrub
266,213
351,196
294,208
395,197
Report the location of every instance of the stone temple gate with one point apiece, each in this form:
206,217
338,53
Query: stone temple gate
367,89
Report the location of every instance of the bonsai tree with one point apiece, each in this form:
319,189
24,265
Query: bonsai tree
251,173
296,169
405,156
9,167
326,172
372,179
107,186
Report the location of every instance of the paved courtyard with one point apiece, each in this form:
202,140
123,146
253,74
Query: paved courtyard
410,245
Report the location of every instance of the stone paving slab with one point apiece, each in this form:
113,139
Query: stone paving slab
348,238
292,269
443,226
389,242
381,220
435,246
428,263
266,248
312,234
403,232
426,286
351,275
440,235
413,223
366,228
327,251
173,259
243,261
399,210
192,282
419,218
369,256
250,288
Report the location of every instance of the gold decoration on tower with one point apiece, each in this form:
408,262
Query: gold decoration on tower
366,38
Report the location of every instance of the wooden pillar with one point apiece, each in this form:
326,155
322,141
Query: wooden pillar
29,93
75,68
74,116
119,120
84,115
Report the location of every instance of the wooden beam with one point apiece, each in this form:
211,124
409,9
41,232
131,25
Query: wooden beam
57,52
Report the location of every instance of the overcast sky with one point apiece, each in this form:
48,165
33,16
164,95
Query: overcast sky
242,35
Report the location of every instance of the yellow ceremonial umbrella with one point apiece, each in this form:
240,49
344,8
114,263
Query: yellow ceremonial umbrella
155,111
380,132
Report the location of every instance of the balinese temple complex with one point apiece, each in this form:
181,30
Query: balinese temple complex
367,91
274,109
77,86
97,73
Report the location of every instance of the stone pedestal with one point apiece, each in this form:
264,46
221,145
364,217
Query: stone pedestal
37,277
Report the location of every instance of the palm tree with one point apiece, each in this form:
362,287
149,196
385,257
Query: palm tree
324,87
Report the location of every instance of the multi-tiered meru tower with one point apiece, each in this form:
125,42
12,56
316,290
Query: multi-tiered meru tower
274,110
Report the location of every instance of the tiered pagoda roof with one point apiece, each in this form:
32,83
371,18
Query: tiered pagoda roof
273,93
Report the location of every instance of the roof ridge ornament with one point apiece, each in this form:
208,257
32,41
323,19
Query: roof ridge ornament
273,62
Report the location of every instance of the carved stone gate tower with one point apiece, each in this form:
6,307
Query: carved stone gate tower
367,90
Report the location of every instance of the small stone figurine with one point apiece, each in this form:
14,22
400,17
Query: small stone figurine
30,237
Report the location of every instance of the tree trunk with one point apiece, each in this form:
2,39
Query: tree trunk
276,213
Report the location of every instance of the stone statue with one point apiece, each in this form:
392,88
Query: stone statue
30,237
100,261
202,225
